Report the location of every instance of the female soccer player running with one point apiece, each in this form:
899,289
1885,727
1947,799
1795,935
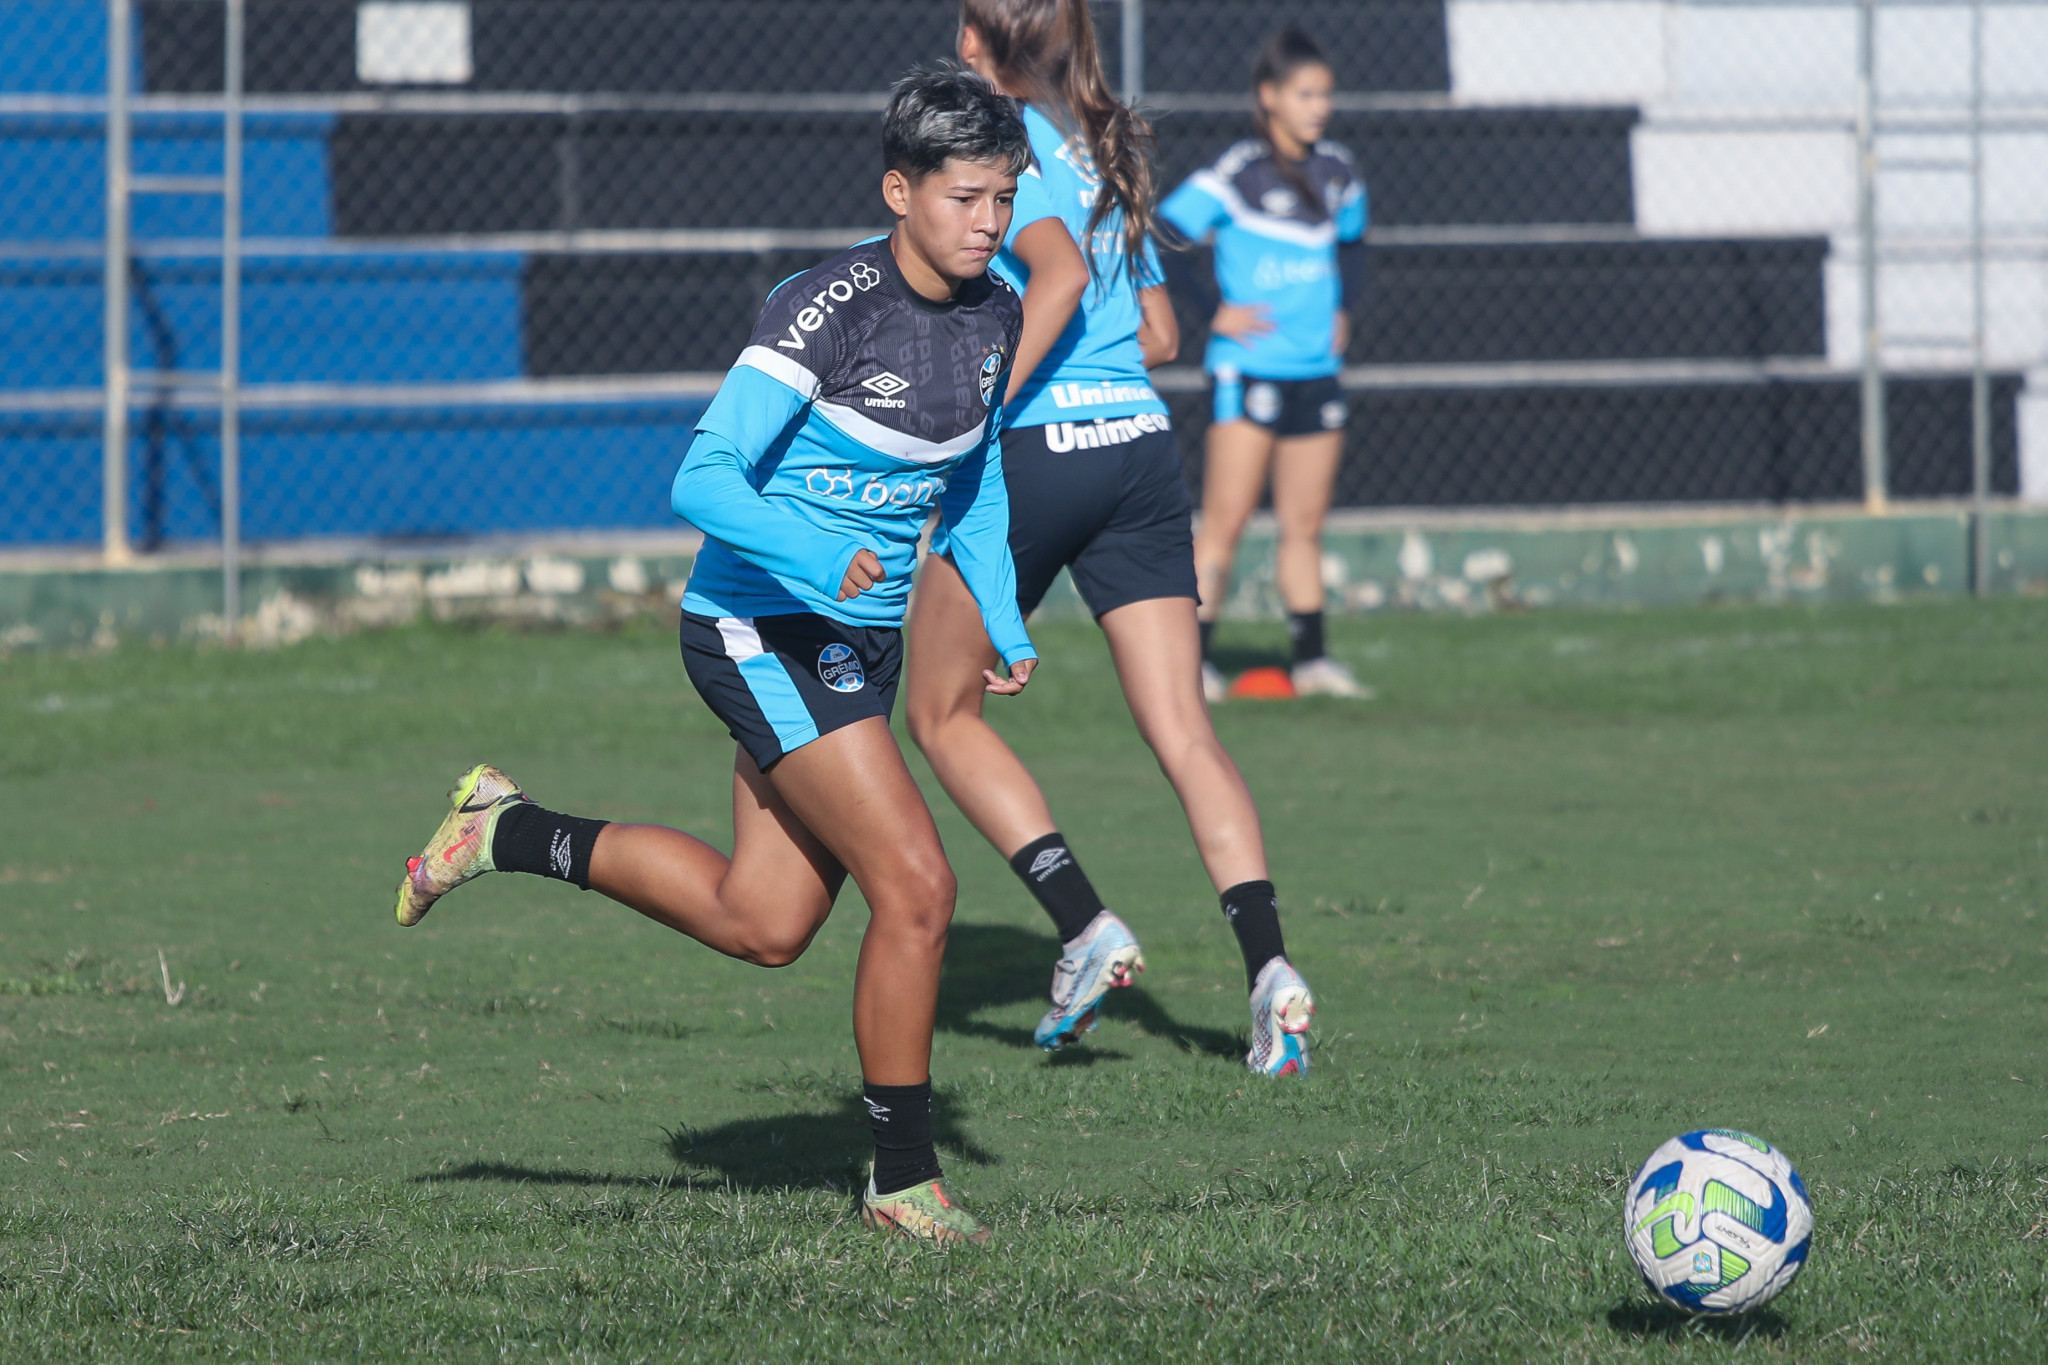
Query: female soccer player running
1286,213
868,395
1095,487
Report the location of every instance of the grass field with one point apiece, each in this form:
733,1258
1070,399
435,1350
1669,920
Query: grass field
1574,884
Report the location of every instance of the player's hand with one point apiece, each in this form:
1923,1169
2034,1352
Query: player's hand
1020,673
1340,334
862,574
1241,321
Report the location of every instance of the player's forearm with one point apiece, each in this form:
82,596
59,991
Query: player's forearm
712,493
1159,331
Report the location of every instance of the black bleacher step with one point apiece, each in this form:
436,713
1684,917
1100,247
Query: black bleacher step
1643,299
652,313
646,313
808,46
1426,167
407,174
1780,440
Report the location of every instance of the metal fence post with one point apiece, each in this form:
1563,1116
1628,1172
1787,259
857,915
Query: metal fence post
115,546
1133,47
231,329
1874,480
1980,380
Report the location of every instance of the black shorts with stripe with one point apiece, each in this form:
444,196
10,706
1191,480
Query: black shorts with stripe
779,682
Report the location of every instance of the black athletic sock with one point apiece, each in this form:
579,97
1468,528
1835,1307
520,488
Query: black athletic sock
901,1117
1208,629
1051,874
1254,914
530,839
1305,629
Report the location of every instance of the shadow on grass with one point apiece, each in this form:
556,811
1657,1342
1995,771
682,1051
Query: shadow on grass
1235,659
991,966
787,1151
1647,1320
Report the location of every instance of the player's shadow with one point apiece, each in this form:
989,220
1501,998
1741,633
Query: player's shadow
782,1152
993,966
1644,1321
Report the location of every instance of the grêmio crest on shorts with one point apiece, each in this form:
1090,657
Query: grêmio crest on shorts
885,367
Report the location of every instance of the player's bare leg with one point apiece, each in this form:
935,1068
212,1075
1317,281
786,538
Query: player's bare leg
944,693
1304,477
1237,456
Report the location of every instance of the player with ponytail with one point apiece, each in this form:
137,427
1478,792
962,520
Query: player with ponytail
1095,487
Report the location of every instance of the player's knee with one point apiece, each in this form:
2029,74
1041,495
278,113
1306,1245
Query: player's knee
779,941
777,948
923,892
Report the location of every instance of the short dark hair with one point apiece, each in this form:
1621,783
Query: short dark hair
939,111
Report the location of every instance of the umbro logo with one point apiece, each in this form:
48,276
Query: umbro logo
885,386
1048,862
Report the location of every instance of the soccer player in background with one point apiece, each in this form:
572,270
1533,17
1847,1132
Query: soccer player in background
869,395
1285,212
1095,486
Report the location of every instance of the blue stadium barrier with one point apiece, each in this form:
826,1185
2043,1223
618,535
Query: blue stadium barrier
382,317
387,474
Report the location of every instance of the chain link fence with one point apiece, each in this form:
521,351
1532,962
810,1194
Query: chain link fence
494,255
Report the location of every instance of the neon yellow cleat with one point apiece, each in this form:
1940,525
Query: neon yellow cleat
461,847
923,1212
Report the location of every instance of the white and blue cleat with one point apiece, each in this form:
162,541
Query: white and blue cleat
1282,1010
1105,956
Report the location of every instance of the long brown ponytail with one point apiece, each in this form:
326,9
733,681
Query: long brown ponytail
1045,53
1285,53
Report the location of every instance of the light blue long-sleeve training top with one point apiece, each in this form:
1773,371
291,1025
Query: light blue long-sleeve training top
1096,368
1276,250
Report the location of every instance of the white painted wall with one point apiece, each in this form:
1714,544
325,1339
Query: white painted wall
1748,128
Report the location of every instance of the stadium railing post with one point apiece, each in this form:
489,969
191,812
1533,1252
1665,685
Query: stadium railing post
1980,379
1874,498
115,547
231,327
1133,50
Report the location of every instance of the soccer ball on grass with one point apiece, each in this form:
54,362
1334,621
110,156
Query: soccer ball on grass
1717,1221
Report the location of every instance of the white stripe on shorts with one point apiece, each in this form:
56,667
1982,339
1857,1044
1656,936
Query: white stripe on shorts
742,641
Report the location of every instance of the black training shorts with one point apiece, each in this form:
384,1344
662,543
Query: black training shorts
1105,500
779,682
1285,407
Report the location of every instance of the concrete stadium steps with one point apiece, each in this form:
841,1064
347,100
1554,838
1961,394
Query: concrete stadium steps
368,468
698,45
1463,302
637,313
1740,440
398,175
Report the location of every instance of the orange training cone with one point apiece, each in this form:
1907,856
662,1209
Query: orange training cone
1263,684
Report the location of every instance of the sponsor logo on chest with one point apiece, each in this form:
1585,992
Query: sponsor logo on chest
861,278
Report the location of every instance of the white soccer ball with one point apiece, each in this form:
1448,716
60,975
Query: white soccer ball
1717,1221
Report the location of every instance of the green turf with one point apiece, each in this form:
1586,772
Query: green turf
1573,884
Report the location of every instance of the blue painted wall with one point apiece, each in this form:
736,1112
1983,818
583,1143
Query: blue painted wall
395,474
54,47
369,318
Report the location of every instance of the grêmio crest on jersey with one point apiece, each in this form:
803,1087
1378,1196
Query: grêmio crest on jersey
992,367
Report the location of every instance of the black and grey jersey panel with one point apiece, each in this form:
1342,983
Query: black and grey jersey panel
1264,189
888,367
